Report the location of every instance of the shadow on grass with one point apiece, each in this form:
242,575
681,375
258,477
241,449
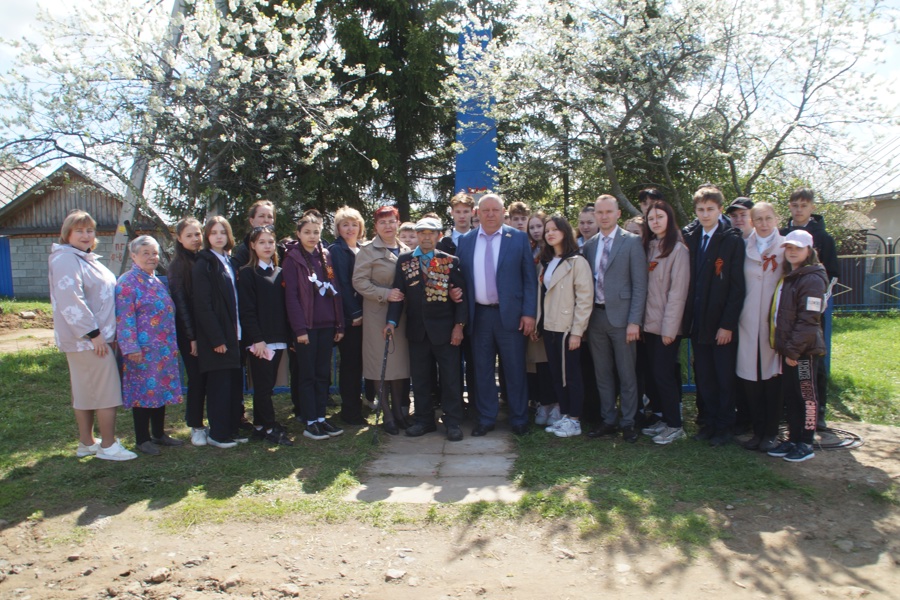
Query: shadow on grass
40,475
628,499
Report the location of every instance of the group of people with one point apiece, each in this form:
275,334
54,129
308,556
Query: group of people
585,320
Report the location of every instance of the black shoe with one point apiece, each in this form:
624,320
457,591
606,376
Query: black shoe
722,438
258,435
314,431
605,430
752,444
821,425
330,429
705,434
481,430
629,434
520,429
390,428
767,444
353,420
421,429
403,422
167,440
245,425
454,433
279,437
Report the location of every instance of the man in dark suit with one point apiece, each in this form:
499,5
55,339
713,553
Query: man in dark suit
501,289
434,327
619,265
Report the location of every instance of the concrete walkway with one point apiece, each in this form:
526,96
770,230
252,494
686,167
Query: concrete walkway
26,339
430,469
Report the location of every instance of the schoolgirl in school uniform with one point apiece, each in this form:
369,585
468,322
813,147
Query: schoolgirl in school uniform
316,319
264,327
218,330
797,337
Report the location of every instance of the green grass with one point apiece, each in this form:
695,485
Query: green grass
14,306
605,489
865,379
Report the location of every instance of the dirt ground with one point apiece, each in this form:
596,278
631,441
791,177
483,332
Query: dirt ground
10,322
843,542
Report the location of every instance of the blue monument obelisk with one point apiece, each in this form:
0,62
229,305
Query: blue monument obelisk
476,165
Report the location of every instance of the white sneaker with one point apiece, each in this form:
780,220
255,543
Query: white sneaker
554,415
87,450
540,417
655,429
214,443
555,426
568,428
199,436
668,435
115,452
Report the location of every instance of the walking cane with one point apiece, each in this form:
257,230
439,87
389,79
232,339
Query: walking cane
379,409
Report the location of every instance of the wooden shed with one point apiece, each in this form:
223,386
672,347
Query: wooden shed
30,222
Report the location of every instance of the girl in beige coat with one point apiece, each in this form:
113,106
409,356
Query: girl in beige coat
667,290
565,301
373,278
758,364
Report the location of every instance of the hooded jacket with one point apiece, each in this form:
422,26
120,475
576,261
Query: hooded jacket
799,311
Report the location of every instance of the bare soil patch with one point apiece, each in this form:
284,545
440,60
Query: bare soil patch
838,536
12,321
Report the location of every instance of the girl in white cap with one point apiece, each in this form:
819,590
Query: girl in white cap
797,309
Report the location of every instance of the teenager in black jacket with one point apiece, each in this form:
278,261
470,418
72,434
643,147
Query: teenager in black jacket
218,332
189,240
264,328
712,311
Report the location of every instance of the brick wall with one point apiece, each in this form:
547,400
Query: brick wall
29,263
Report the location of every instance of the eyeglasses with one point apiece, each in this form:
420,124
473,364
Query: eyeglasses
387,222
264,228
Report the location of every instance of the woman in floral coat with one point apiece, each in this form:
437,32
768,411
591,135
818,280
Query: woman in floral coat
145,326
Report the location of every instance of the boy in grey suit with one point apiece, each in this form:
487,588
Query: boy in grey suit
619,265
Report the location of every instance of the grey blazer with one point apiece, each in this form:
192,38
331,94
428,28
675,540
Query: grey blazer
625,280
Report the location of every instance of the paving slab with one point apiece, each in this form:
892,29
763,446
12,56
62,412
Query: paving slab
416,465
430,469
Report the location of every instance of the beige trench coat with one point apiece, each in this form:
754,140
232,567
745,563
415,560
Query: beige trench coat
373,278
753,326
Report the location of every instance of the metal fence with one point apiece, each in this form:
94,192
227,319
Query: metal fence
868,283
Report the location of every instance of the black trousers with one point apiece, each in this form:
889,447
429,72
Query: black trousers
715,366
540,385
663,370
469,370
314,370
264,373
196,385
422,357
570,396
224,402
350,373
147,419
801,399
591,408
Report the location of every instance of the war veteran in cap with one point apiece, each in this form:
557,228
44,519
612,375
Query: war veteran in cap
434,326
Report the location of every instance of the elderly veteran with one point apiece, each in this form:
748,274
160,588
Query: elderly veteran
434,328
145,325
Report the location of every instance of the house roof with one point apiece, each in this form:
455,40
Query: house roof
17,180
37,188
